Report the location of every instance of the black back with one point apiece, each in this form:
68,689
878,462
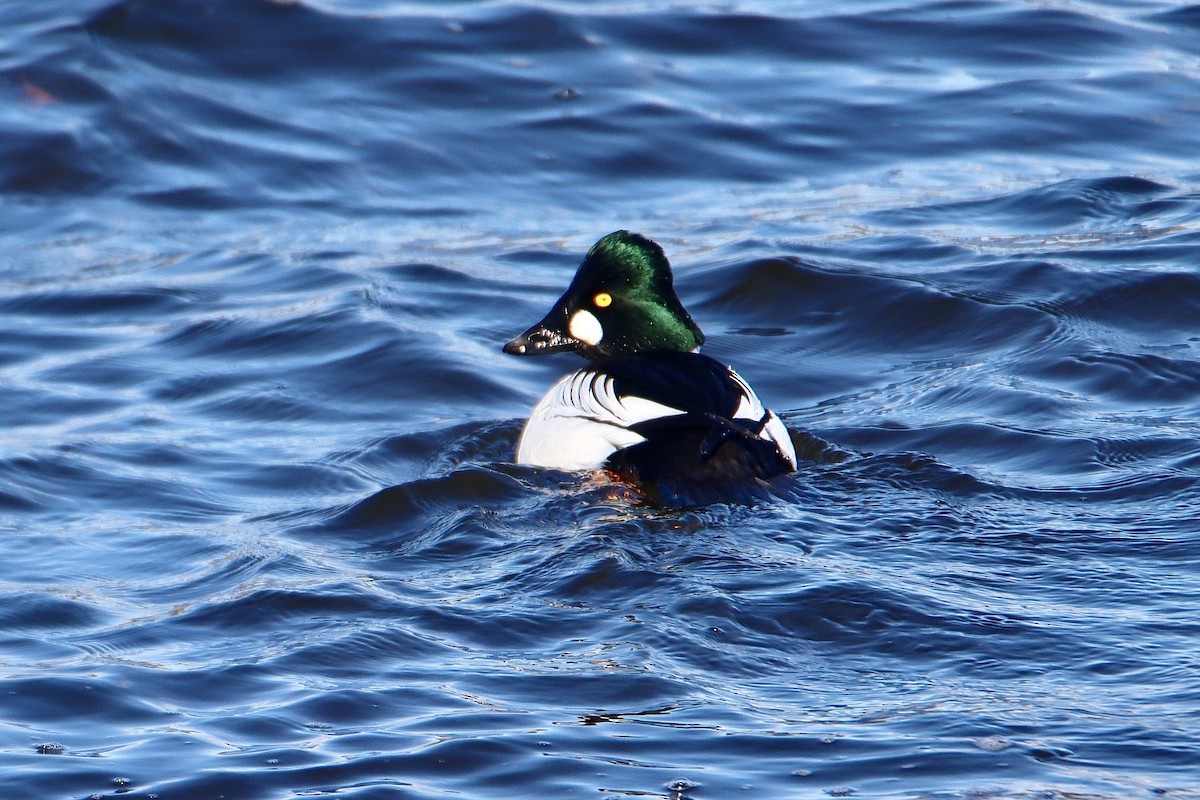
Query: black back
688,381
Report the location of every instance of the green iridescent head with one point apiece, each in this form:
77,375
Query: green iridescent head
622,301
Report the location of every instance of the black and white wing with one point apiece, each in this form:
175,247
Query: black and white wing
680,414
720,431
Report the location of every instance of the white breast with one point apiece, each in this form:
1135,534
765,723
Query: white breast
581,422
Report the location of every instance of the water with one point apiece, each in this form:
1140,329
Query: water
262,536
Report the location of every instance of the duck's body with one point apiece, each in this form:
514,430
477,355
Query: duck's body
671,415
648,407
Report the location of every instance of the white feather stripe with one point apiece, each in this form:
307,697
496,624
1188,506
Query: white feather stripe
776,432
593,395
639,409
751,408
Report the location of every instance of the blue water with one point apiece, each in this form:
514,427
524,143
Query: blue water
261,535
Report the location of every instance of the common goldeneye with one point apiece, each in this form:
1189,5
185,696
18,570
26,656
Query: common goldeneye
648,407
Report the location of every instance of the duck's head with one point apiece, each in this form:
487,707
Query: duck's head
622,301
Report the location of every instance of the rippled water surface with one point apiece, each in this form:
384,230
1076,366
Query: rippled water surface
262,536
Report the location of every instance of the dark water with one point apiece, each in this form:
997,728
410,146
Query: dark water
262,536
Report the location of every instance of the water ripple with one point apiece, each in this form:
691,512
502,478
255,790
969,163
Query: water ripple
263,535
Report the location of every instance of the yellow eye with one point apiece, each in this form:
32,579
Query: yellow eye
602,300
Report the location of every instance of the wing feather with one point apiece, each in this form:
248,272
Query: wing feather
616,403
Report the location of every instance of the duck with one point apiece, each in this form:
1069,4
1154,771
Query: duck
648,407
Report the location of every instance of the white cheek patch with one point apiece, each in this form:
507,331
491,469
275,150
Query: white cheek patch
584,326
